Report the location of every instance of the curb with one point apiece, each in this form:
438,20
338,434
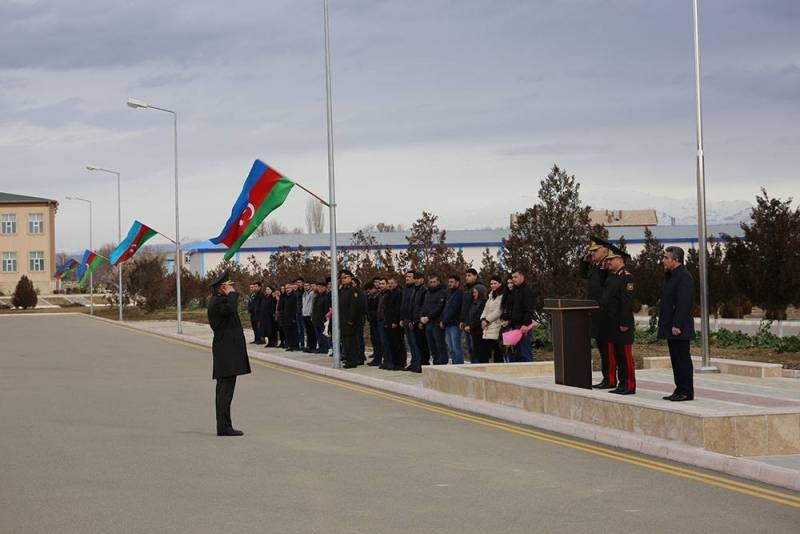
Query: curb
656,447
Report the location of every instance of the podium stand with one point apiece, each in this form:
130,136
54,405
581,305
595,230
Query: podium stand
572,340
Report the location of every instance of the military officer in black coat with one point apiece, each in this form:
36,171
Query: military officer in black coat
617,322
676,322
229,349
594,271
350,311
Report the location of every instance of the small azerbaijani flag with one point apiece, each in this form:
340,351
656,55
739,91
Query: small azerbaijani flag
88,263
64,269
137,235
264,190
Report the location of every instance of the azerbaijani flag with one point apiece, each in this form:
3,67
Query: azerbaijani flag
64,269
137,235
89,261
264,190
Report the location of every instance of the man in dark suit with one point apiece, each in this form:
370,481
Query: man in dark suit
229,349
676,322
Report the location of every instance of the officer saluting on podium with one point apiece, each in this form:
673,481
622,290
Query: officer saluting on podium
594,271
617,323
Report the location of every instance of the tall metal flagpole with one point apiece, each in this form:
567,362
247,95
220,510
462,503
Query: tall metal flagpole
337,360
702,237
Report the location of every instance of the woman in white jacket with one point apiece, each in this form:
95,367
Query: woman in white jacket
490,321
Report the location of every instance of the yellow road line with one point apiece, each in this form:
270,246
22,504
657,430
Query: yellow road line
654,465
714,480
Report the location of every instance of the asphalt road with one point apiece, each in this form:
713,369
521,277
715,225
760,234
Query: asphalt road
111,431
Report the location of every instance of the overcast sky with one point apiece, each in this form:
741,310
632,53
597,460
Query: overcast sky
458,107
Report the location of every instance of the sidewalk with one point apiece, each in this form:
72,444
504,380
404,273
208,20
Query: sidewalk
715,393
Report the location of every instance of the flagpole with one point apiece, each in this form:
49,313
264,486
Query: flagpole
324,202
337,360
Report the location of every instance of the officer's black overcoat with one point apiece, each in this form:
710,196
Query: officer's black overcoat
229,347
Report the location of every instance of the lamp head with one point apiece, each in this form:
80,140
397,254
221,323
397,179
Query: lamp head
136,103
91,168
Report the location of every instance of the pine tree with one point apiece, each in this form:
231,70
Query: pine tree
648,271
548,240
24,294
773,242
489,266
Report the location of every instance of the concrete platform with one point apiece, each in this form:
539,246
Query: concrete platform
731,415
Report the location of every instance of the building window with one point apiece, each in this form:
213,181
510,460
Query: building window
9,262
36,262
35,223
8,223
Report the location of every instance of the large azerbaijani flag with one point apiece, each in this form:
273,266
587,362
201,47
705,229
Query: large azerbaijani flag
89,261
64,269
264,191
137,235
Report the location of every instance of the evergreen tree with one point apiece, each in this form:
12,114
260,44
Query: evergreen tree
549,239
428,251
772,239
489,266
24,294
648,271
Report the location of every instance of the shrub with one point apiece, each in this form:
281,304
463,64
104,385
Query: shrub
24,295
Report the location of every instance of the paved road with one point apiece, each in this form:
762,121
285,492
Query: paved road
108,430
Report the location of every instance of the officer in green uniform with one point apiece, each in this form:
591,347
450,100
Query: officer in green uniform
349,314
617,323
594,271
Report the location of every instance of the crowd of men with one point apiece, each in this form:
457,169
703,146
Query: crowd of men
418,321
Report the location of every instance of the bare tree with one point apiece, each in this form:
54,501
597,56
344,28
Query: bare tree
315,221
271,227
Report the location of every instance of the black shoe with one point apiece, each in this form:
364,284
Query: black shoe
623,391
349,366
669,397
374,363
415,369
603,385
254,342
230,432
680,397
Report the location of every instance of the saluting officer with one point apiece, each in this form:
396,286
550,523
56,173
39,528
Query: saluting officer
229,349
617,321
593,269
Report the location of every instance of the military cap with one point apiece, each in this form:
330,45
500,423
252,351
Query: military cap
616,252
347,272
597,242
222,278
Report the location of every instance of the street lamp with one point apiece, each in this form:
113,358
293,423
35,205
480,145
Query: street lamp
138,104
119,228
91,275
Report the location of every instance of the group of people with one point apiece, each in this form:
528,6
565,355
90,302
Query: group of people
613,326
434,321
292,316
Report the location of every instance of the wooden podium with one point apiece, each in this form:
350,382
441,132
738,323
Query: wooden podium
572,340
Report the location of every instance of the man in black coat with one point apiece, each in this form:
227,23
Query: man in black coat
289,311
350,313
676,322
254,305
519,315
617,322
431,316
229,349
593,270
392,319
423,351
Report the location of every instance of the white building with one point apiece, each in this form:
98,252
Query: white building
203,256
